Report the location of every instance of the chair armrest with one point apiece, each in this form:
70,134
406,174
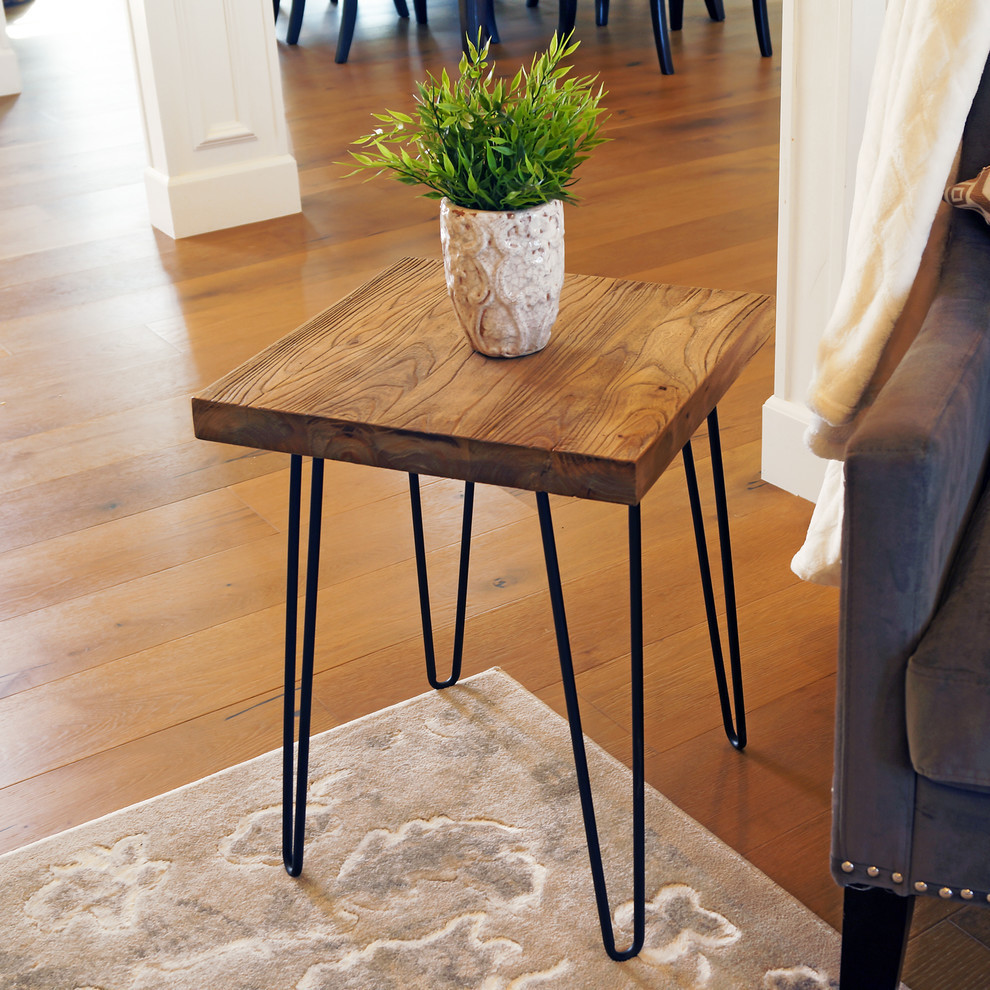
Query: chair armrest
914,471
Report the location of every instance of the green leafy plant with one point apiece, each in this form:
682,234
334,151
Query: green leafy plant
487,144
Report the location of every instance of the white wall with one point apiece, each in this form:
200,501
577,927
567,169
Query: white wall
828,50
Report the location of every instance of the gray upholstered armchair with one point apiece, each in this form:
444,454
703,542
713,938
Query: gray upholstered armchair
911,811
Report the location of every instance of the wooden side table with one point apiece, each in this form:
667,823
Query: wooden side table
385,377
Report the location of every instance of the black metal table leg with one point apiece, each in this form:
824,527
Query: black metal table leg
424,588
736,733
294,818
577,736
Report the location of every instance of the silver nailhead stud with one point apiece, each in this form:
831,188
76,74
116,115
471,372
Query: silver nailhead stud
873,871
920,886
966,894
847,867
945,892
897,877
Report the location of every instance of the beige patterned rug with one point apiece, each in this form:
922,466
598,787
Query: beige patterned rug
445,850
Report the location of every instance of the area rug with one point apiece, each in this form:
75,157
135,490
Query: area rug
445,849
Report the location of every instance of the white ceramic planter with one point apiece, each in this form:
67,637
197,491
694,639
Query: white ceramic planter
504,273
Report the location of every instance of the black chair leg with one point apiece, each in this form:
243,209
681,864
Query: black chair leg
473,22
601,12
676,15
762,27
345,34
276,10
488,19
658,11
420,7
716,9
566,17
875,926
295,21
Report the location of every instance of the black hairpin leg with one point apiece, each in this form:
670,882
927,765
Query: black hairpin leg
424,588
736,732
577,736
294,818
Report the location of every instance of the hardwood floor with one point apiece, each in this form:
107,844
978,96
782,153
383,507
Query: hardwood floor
141,570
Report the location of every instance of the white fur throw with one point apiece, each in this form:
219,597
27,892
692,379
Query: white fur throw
929,64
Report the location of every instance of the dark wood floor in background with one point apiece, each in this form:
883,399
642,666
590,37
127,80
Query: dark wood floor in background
141,570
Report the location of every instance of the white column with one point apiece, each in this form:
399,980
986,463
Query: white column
10,76
827,55
211,93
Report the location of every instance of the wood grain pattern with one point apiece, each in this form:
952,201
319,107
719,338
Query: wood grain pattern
385,377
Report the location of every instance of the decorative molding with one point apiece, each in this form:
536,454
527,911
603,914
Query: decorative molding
226,133
212,57
211,92
196,203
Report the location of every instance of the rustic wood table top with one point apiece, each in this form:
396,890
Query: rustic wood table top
386,377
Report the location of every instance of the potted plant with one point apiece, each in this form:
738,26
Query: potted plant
501,158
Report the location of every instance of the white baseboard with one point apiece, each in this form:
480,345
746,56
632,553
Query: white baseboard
196,203
787,461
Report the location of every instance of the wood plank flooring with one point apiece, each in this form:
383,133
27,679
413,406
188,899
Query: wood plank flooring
140,569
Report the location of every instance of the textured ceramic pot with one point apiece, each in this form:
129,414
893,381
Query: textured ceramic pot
504,274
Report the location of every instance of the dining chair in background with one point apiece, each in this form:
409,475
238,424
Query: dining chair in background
658,13
481,13
716,11
348,17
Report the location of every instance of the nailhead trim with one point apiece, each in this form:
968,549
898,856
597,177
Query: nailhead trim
946,893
